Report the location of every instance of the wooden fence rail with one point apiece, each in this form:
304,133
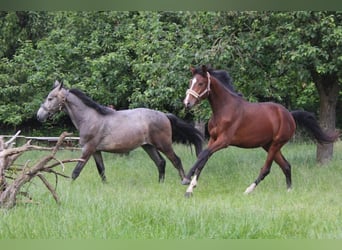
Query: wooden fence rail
48,140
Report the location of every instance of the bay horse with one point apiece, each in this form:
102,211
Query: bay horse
240,123
105,129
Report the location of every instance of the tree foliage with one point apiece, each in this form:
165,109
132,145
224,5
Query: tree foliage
134,59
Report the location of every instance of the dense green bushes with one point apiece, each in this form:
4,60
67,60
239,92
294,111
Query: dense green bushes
134,59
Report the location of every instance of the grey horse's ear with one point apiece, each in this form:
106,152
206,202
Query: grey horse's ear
61,85
58,84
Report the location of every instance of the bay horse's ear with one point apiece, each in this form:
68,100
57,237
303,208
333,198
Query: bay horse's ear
193,70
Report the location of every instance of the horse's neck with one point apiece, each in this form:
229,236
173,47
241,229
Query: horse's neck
220,97
77,110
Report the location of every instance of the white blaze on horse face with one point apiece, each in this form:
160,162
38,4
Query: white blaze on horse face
187,98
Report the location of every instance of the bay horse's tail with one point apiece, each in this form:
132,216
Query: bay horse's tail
308,121
185,133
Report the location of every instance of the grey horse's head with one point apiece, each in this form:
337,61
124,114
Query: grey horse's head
53,102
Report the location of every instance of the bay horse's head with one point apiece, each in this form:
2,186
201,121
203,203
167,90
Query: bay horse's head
53,102
199,87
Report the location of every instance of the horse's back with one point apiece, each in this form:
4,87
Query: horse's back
139,116
156,122
272,113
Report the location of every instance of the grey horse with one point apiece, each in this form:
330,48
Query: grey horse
104,129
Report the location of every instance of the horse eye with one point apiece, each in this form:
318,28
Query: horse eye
50,99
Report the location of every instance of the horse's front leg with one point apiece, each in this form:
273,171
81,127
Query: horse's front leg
85,157
195,171
203,157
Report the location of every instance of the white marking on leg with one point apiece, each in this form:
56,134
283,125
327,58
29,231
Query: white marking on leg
192,184
250,188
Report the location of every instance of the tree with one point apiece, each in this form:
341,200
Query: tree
317,50
19,31
277,55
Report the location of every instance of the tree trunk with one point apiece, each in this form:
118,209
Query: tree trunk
328,90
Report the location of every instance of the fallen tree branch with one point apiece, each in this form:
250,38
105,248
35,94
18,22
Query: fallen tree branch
49,187
9,142
8,192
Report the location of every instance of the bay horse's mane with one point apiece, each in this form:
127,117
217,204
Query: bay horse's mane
223,76
91,103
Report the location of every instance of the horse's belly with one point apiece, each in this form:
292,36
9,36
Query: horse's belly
121,143
252,143
253,138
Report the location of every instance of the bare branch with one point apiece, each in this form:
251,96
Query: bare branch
60,141
9,142
64,161
9,191
49,187
48,170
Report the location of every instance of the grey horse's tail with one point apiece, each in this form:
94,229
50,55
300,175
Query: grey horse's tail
308,121
185,133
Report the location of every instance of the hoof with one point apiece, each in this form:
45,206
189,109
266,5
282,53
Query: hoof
185,181
103,179
188,194
250,188
161,179
74,176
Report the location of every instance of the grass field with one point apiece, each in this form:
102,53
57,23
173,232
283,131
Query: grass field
133,205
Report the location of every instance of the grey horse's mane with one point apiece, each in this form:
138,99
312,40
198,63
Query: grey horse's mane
91,103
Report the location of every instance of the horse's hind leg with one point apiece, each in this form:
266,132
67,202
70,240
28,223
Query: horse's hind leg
176,161
99,164
157,158
285,166
266,169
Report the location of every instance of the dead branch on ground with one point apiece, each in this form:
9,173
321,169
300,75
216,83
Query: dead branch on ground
8,154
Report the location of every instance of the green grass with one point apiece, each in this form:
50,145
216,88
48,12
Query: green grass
133,205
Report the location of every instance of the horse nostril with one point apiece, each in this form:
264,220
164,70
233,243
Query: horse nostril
187,105
40,118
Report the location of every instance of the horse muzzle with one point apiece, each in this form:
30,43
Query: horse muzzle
42,115
189,102
188,105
